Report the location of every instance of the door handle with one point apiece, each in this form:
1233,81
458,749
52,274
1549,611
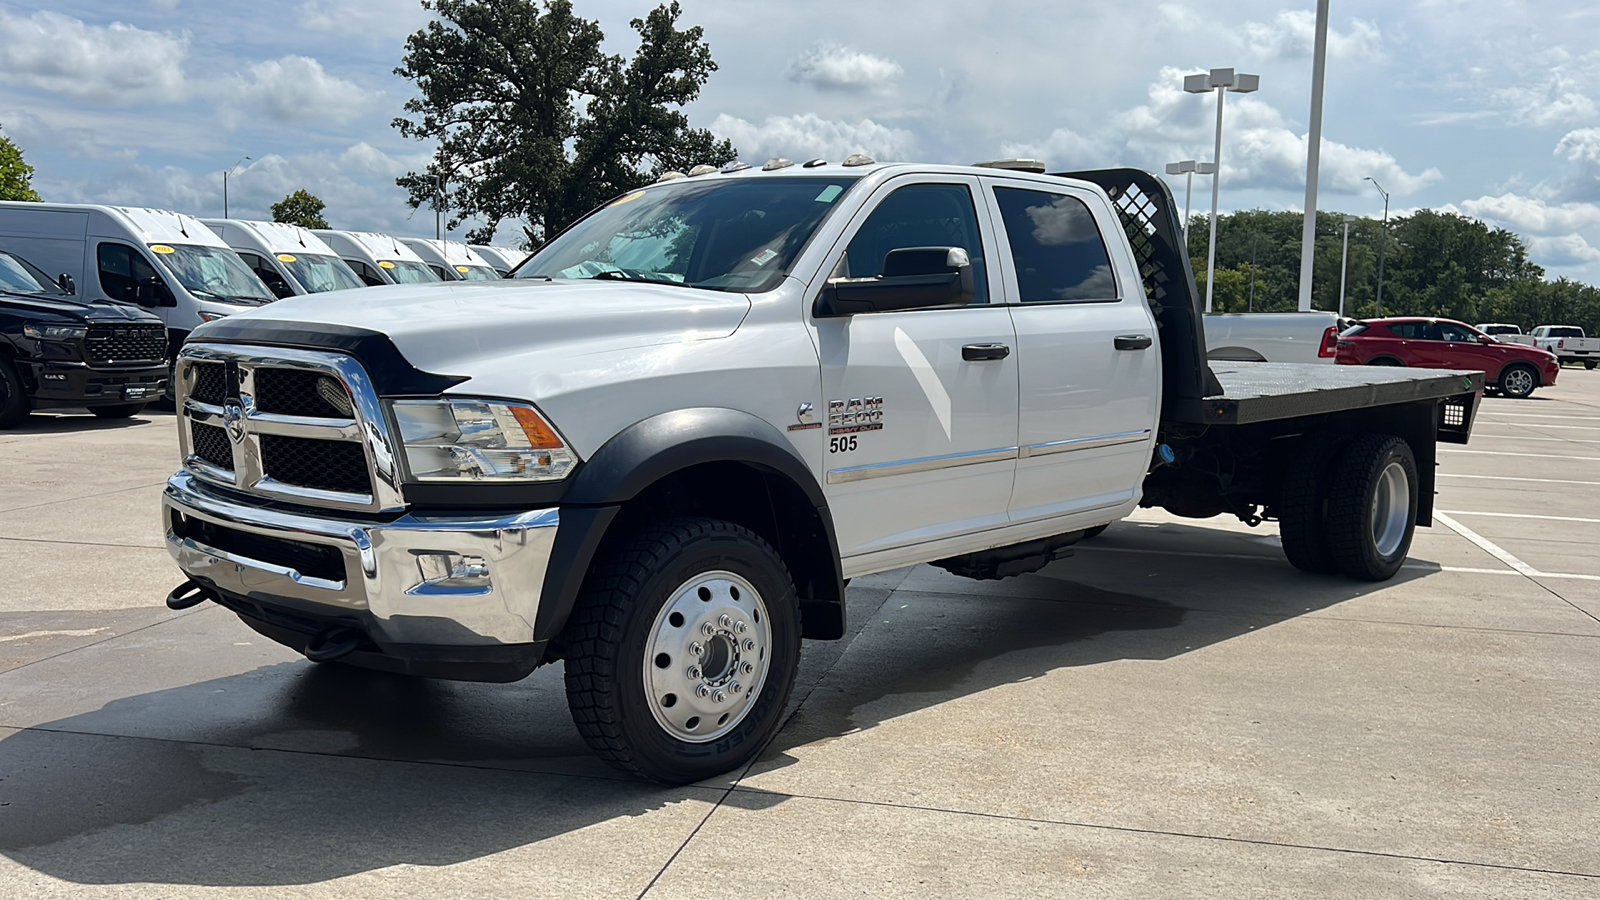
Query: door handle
974,352
1133,341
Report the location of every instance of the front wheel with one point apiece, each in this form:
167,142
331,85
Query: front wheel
14,403
682,650
117,410
1518,381
1372,507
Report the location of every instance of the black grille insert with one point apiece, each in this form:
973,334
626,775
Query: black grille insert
293,392
210,383
126,343
315,560
320,465
212,445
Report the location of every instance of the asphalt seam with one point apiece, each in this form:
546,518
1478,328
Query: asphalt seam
1126,829
109,637
25,540
137,487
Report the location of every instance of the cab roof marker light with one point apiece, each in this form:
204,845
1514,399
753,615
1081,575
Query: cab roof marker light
776,163
859,159
735,166
670,176
1013,165
813,163
697,171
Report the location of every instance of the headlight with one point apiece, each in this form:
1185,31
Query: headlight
479,440
55,332
206,316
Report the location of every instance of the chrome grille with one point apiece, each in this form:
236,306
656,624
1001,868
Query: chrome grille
126,343
264,420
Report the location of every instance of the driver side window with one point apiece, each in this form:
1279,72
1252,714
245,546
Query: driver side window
121,270
920,215
1456,333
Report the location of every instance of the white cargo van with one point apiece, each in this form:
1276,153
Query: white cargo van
453,260
290,259
167,262
504,259
378,258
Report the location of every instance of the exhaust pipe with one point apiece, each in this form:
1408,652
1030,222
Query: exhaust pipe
333,643
189,594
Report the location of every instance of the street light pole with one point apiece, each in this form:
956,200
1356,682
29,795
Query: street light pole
1190,168
1221,81
225,184
1383,248
1308,231
1344,262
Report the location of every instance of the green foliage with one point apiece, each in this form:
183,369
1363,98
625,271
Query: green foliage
300,208
16,176
533,121
1436,264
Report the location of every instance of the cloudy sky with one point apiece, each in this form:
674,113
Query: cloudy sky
1484,107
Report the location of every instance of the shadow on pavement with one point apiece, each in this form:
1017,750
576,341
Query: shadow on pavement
181,786
75,421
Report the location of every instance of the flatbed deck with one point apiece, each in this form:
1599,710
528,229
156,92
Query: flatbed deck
1264,392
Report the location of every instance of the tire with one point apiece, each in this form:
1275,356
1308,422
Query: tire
1369,533
1517,381
117,410
14,403
659,611
1095,531
1303,505
1590,364
1385,361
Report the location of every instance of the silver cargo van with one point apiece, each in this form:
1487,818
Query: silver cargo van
504,259
453,260
378,258
290,259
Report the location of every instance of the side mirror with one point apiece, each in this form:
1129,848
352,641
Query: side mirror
913,278
279,288
65,282
153,291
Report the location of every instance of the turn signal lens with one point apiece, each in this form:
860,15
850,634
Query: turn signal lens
540,435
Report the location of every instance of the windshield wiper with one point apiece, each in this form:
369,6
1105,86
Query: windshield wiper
620,275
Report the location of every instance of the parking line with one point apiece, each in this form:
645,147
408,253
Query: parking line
1514,478
1522,437
1505,453
1537,416
1501,515
1540,425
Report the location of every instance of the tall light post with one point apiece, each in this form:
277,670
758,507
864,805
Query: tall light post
1221,81
225,184
1383,248
1190,168
1308,232
1344,262
438,202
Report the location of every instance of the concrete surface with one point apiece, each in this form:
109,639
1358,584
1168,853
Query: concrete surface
1174,712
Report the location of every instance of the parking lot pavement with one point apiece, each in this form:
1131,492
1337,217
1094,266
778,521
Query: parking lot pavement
1174,711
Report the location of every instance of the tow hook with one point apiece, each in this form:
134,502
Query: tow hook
333,643
189,594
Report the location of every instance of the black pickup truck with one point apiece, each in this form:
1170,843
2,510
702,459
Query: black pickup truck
56,351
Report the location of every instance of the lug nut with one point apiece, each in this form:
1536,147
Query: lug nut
709,629
736,687
725,620
702,691
694,673
740,627
718,696
749,645
697,649
747,668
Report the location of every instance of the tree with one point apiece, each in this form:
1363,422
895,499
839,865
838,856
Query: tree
16,176
300,208
533,121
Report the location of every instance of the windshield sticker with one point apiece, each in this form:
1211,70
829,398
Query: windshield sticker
386,264
764,257
286,257
162,248
626,198
462,269
830,193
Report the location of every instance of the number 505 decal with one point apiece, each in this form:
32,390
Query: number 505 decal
842,444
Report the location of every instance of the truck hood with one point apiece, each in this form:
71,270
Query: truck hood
446,328
73,310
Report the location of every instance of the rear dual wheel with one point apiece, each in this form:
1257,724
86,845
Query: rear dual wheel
1350,506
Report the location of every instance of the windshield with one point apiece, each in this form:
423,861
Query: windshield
318,272
405,271
731,235
1501,329
17,274
478,273
213,272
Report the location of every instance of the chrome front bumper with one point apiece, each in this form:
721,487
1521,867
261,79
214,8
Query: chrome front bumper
413,580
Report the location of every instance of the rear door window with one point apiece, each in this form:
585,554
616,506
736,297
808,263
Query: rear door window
1417,331
1056,246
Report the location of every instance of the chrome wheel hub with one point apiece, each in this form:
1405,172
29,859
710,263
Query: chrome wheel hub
706,656
1518,381
1391,509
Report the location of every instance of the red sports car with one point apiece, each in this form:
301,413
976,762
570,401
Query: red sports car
1513,369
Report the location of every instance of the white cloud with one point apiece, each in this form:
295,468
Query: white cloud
833,67
1292,35
808,135
114,65
298,89
1063,149
1561,251
1530,214
1556,100
1581,146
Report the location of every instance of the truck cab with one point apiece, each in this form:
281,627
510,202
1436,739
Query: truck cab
288,259
378,258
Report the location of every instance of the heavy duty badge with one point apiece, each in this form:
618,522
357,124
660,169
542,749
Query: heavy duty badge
855,415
